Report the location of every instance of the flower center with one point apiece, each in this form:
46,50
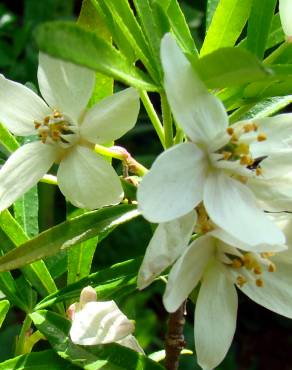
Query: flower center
238,150
204,223
57,128
251,266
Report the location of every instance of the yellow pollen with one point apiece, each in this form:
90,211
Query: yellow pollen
258,270
37,124
248,262
226,155
234,137
262,137
237,263
246,160
272,267
259,171
242,149
230,131
255,126
259,283
268,254
241,280
47,120
248,127
57,114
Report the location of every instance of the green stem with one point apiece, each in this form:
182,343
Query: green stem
49,179
123,155
153,116
32,340
167,121
275,54
19,350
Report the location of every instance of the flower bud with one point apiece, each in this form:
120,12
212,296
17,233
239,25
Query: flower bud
285,9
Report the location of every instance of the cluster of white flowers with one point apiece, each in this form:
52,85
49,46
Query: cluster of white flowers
217,185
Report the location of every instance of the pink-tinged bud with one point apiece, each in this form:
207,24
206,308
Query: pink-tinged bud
71,311
285,9
88,294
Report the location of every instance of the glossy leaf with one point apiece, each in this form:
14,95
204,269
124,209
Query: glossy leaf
4,307
211,7
268,107
114,280
259,25
7,140
68,234
44,360
71,42
103,357
227,24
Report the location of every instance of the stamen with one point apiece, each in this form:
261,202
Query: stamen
259,283
272,267
241,280
246,160
242,149
258,270
259,171
237,263
234,138
230,131
255,126
37,124
268,254
262,137
226,155
248,127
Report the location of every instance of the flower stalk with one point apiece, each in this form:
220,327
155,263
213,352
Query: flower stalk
167,121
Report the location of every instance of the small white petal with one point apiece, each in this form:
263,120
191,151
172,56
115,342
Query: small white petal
200,114
215,317
285,9
23,169
87,180
131,342
232,206
99,322
112,117
187,272
65,86
173,186
168,242
20,107
276,293
277,164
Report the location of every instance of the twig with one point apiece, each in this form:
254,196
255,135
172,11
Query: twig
174,341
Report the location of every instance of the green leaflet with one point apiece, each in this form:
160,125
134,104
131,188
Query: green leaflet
4,307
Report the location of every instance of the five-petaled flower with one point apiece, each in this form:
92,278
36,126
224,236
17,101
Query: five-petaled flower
67,134
220,166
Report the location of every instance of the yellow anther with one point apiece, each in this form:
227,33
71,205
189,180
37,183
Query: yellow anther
226,155
37,124
246,160
248,127
259,283
261,137
237,263
268,254
57,114
272,267
258,270
255,126
248,261
241,280
234,137
259,171
230,131
242,149
47,120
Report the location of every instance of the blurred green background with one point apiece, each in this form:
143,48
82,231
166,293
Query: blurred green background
263,340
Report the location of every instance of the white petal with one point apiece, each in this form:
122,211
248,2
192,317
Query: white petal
278,130
65,86
215,317
168,242
276,293
111,118
274,194
131,342
23,169
285,9
201,114
19,107
277,164
173,186
99,322
187,272
87,180
232,206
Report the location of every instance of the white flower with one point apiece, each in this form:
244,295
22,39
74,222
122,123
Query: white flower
100,322
285,9
67,133
218,162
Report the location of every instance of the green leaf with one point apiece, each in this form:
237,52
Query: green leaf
44,360
71,42
68,234
37,273
4,307
259,25
211,7
108,283
227,24
216,70
9,288
26,212
268,107
104,357
7,140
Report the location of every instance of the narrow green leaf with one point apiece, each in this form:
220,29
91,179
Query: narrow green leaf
26,212
108,283
73,43
211,7
68,234
268,107
259,25
9,288
216,70
7,140
227,24
37,273
44,360
103,357
4,307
